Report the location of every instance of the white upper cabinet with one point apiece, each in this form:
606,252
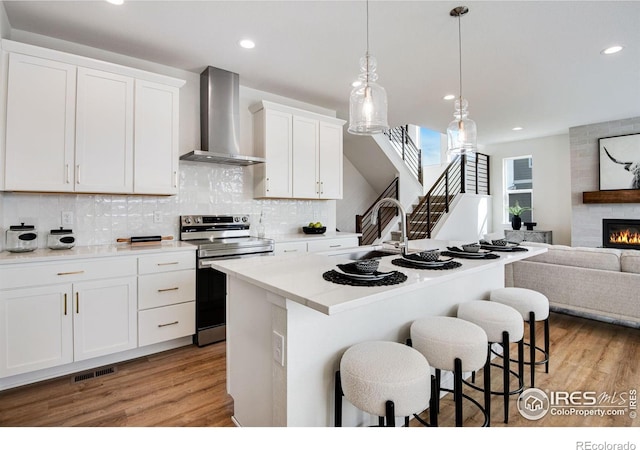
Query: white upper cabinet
303,152
330,160
40,132
273,141
306,182
156,138
104,132
76,124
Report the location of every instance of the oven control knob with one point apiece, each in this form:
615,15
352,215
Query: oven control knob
236,219
187,220
198,219
245,218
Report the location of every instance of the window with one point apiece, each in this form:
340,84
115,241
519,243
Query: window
518,186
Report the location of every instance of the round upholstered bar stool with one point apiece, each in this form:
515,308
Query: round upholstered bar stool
503,325
384,379
534,307
456,345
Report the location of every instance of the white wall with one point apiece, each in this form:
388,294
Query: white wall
470,219
551,183
358,196
203,188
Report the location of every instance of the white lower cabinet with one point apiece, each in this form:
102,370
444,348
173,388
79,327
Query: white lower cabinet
104,317
331,244
166,297
67,312
285,248
36,329
168,322
53,325
318,244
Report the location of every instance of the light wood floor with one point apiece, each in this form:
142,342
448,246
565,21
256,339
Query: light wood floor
186,387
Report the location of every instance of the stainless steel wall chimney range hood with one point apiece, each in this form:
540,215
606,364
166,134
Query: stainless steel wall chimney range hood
219,120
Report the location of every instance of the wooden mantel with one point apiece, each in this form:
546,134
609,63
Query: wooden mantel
619,196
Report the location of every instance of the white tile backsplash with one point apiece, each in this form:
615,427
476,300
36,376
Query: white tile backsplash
203,189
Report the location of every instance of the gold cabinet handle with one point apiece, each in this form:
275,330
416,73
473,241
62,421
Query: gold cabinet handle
167,324
77,303
71,273
335,246
67,170
175,178
168,289
77,173
168,263
65,304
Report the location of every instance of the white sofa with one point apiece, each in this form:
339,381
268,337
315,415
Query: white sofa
598,283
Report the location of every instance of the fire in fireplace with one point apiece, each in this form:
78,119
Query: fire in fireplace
621,233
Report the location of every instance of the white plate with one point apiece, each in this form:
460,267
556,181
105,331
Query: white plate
418,262
364,276
507,247
478,255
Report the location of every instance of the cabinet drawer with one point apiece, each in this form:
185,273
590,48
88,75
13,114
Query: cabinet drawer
163,289
331,244
290,247
166,262
166,323
36,274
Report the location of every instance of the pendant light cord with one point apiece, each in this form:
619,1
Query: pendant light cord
460,55
367,54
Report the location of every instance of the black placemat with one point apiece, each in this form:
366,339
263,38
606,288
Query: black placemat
459,255
446,266
336,277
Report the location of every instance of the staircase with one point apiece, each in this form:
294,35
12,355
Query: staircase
370,232
407,149
465,174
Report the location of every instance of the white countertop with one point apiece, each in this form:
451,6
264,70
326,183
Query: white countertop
91,251
280,238
298,277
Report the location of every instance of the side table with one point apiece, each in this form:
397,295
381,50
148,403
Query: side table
545,237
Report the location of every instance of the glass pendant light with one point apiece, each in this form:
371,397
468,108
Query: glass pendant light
461,132
368,100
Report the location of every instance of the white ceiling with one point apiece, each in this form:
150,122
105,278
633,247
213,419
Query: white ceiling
532,64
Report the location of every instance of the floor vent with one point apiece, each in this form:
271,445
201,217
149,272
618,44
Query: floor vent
93,374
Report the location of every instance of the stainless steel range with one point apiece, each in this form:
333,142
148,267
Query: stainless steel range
217,237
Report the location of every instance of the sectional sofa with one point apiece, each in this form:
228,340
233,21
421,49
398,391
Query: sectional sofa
598,283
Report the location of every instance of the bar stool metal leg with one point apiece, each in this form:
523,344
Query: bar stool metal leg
546,344
532,346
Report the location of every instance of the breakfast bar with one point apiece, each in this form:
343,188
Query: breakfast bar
287,326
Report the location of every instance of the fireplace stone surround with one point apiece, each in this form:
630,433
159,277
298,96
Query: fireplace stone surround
586,219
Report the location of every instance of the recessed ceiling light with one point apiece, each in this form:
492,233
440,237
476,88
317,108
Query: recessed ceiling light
449,97
517,128
612,50
116,2
247,43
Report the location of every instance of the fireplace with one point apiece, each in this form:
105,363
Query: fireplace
621,233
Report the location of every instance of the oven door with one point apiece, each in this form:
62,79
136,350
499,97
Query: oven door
211,299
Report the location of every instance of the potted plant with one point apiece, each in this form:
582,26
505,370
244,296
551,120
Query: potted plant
515,211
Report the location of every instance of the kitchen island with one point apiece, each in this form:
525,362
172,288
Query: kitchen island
287,327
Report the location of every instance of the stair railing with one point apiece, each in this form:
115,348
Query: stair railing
463,174
407,149
386,214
